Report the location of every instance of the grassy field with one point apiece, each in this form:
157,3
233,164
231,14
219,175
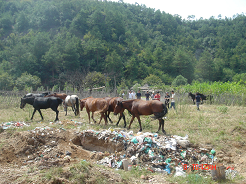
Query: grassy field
222,127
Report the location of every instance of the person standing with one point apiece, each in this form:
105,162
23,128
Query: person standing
198,100
130,94
167,99
147,95
157,96
153,95
173,100
138,95
133,95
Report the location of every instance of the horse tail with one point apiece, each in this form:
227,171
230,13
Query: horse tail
159,115
77,106
105,108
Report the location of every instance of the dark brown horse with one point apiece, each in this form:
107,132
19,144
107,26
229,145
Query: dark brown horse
112,102
141,107
59,95
94,105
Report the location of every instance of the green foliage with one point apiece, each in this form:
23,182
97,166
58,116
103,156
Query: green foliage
222,109
152,80
27,80
94,79
179,81
124,41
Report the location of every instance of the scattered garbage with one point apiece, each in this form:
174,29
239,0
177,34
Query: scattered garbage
121,149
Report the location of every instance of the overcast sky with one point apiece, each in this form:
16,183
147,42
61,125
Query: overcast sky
204,8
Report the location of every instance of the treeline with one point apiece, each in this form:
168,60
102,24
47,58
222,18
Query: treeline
90,43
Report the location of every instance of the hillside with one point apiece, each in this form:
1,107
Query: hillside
57,42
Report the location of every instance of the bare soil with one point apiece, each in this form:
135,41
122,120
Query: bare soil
27,156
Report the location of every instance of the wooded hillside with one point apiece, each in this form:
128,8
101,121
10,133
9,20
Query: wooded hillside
54,42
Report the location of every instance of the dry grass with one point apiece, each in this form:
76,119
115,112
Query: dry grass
210,125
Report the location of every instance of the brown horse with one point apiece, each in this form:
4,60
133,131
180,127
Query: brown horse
93,105
112,102
141,107
59,95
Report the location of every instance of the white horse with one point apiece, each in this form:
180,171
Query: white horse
72,101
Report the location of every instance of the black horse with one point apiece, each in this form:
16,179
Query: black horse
37,94
193,96
41,103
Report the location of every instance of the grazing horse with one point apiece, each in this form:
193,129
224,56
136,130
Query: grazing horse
95,104
41,103
141,107
72,101
112,102
193,96
59,95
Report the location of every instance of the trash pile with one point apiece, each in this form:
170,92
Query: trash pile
13,124
47,146
158,153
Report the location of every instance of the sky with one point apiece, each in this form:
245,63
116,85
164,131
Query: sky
204,8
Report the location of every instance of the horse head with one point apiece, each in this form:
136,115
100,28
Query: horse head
82,104
118,107
23,103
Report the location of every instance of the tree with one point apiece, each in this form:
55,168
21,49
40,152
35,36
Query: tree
94,79
6,81
27,80
152,80
184,64
205,67
179,81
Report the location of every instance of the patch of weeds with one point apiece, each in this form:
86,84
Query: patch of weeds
146,124
222,109
191,179
79,172
53,172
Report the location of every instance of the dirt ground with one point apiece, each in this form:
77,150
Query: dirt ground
24,154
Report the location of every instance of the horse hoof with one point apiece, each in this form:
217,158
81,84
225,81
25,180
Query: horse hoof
164,132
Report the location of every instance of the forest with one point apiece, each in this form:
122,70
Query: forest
91,43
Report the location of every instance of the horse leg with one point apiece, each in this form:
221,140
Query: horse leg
40,114
57,112
74,109
101,118
131,121
65,108
88,112
104,117
107,116
33,113
161,122
122,116
92,116
139,121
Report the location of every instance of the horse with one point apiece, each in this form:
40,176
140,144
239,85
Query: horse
112,102
41,103
59,95
139,107
72,101
37,94
95,104
193,96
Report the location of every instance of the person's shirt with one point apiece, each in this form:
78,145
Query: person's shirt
138,95
133,95
198,98
157,97
153,96
173,96
130,95
147,95
167,98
